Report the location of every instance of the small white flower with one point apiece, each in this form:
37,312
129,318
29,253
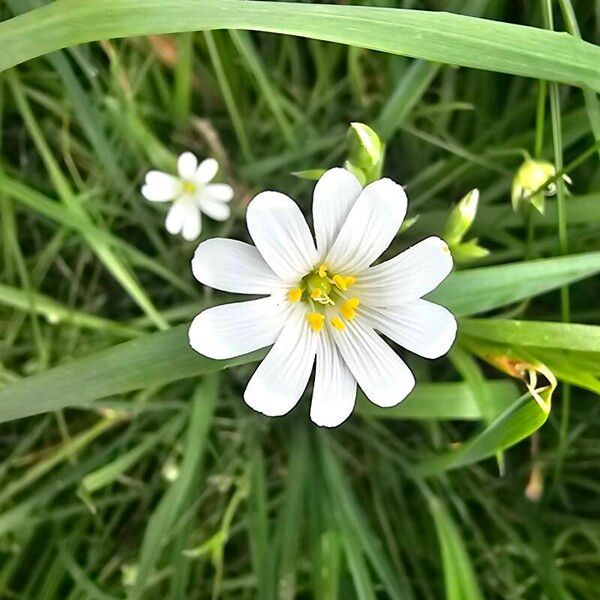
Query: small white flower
325,301
191,193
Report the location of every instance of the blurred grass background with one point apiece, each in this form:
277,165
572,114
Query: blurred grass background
179,490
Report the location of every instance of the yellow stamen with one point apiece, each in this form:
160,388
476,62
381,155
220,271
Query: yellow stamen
323,271
315,294
348,308
295,295
338,323
315,320
343,283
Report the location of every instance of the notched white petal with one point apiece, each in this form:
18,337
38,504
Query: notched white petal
234,329
220,191
380,372
281,378
192,226
335,194
281,235
206,171
408,276
177,215
233,266
422,327
186,165
160,187
215,209
334,391
370,227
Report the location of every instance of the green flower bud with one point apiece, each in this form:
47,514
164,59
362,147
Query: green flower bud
365,153
531,176
461,218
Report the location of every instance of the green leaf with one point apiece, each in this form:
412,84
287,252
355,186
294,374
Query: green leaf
518,422
434,36
409,91
567,336
155,359
478,290
440,401
176,499
459,574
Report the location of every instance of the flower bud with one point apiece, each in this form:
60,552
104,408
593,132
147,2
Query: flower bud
531,176
461,218
365,153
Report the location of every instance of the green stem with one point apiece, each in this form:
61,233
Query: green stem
562,238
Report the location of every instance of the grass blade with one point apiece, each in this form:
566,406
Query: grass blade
434,36
164,518
459,575
567,336
515,424
152,360
478,290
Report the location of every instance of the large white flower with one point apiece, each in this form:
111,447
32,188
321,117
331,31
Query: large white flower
191,192
325,300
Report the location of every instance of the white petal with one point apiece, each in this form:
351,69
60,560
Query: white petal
192,225
422,327
278,382
408,276
334,392
206,171
160,187
370,227
233,266
220,191
215,209
235,329
186,165
334,196
177,215
380,372
281,235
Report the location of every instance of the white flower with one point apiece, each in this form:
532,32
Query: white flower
325,301
191,193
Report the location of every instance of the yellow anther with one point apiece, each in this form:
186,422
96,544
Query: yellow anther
338,323
316,294
295,295
323,271
340,282
315,320
343,283
348,309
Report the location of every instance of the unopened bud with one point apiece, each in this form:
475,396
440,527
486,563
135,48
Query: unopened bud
531,176
365,153
461,218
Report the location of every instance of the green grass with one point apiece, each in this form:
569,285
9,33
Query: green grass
130,466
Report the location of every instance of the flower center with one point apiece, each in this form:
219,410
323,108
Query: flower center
320,290
188,187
